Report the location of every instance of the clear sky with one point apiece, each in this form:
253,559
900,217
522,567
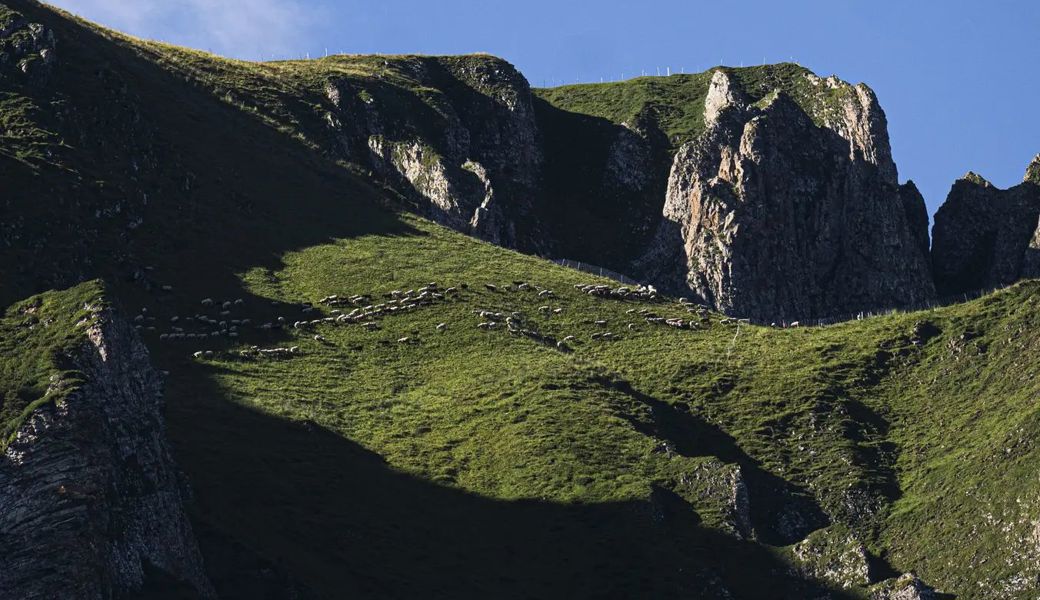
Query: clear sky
959,80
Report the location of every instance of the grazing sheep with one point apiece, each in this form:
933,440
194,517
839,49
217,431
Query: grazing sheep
600,322
404,340
198,354
544,309
239,302
490,287
442,326
557,311
371,326
484,325
546,294
207,301
319,338
569,338
294,350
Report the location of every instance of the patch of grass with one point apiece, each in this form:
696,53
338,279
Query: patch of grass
36,337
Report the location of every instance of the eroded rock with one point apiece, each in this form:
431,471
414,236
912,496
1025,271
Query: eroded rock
985,237
89,495
769,216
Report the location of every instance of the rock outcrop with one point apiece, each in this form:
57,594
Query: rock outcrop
834,555
770,216
985,237
26,47
457,135
90,499
905,587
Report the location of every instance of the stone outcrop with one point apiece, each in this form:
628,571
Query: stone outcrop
905,587
834,555
90,499
985,237
466,149
770,216
25,47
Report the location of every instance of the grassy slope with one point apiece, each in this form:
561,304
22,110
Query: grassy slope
676,103
477,463
35,335
827,412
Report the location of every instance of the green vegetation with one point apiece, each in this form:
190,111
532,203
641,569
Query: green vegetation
890,426
471,462
676,103
36,337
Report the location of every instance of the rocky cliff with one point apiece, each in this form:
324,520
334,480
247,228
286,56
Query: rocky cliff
91,504
455,134
985,237
771,216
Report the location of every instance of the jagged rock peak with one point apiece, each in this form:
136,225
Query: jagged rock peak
722,94
975,178
773,216
1033,171
983,235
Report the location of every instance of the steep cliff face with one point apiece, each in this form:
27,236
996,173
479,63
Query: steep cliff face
986,237
769,216
455,134
90,500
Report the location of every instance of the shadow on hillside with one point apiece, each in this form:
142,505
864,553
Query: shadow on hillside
279,503
782,513
590,218
164,184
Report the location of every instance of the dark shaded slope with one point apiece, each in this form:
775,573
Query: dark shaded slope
153,178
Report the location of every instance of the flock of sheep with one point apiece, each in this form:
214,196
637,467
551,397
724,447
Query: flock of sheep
223,319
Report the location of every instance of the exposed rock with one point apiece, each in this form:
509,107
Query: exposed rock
905,587
833,555
769,216
89,496
982,235
466,148
1033,170
26,47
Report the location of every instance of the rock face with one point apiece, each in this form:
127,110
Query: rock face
833,555
89,496
26,47
770,216
985,237
469,155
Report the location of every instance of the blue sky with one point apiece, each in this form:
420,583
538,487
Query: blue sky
959,80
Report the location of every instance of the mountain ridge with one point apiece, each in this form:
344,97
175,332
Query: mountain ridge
350,426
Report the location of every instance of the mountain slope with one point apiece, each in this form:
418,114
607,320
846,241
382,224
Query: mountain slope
697,458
